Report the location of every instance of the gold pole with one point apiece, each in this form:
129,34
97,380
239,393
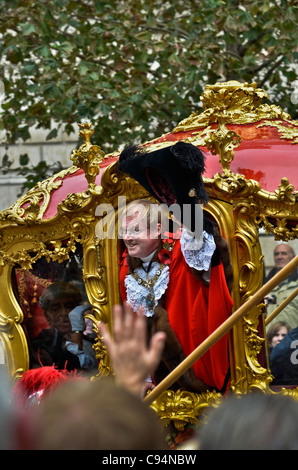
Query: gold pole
226,326
281,307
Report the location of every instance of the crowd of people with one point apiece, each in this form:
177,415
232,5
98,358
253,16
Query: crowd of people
72,412
75,413
282,331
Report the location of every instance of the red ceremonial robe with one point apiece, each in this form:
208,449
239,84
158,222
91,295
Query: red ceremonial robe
195,311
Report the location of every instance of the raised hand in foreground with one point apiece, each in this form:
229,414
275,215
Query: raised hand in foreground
133,361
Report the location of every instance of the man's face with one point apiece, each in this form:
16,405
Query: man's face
139,239
282,255
57,314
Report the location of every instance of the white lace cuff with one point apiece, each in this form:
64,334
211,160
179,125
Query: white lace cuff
197,253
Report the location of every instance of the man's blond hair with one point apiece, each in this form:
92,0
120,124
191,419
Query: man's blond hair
153,212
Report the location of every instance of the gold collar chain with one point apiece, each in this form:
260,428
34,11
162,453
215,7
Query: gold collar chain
149,284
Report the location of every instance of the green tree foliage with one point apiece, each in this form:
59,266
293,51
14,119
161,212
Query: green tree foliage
135,68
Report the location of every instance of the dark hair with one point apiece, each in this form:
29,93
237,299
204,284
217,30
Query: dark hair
273,330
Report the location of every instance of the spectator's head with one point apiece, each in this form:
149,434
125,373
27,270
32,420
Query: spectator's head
97,415
283,253
255,421
276,333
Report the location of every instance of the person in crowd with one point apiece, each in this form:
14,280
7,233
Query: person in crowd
183,283
284,360
276,334
63,343
51,409
283,254
255,421
106,413
96,415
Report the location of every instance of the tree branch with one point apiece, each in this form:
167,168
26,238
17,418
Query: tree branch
267,75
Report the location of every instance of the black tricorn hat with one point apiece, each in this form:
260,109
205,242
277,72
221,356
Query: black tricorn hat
172,174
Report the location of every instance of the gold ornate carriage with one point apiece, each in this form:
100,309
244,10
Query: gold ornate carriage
252,182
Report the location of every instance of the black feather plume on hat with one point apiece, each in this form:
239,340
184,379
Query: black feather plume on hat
129,153
189,156
172,174
193,159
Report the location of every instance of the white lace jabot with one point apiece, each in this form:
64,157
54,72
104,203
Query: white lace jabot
137,293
